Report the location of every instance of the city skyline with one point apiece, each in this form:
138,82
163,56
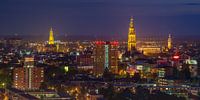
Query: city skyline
99,50
96,18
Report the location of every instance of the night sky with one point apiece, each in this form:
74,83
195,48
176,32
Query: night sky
100,17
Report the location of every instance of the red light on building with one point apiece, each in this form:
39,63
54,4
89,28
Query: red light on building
96,42
176,57
99,42
114,43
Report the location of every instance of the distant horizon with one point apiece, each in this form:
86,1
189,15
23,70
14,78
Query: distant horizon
102,37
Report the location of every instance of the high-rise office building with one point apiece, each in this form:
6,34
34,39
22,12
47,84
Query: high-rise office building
99,57
113,57
28,77
105,56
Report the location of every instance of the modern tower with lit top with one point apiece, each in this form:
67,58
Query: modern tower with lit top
131,36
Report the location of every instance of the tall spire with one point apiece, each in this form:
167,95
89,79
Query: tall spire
131,36
169,42
51,37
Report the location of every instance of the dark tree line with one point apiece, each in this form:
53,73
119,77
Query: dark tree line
140,94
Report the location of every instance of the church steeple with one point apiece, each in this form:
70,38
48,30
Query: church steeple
51,37
169,42
131,36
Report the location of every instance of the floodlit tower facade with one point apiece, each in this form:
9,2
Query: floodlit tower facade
131,36
169,43
51,37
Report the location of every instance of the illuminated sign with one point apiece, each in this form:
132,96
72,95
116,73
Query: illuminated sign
28,59
191,62
139,67
176,57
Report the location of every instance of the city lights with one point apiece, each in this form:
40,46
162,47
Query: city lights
72,50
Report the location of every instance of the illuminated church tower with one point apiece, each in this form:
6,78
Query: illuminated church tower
169,42
131,36
51,38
